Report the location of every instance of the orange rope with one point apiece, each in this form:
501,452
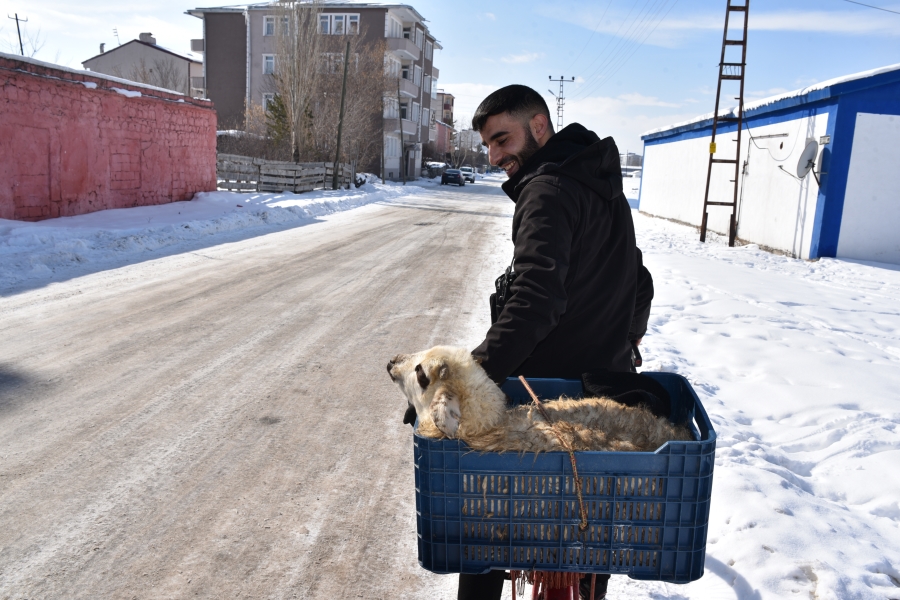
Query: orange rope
562,442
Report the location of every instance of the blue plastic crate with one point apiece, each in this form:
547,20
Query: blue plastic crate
647,511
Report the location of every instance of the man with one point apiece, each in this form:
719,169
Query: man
572,304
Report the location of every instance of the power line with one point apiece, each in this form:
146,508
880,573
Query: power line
560,100
875,7
616,62
593,31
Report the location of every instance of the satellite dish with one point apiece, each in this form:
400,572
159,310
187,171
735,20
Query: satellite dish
807,159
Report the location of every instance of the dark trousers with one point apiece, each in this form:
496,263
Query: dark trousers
490,586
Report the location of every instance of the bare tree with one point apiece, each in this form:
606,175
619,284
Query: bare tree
31,43
363,110
298,51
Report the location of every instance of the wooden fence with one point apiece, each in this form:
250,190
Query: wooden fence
244,174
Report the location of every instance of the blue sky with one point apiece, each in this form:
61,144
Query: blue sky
639,64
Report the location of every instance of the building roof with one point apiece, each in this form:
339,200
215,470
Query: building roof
813,93
190,57
239,8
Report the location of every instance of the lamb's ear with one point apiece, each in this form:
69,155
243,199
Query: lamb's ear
421,377
445,412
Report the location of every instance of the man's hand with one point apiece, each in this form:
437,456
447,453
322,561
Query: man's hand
409,417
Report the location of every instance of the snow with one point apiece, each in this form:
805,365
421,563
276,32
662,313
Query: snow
127,93
757,104
797,363
93,74
33,253
89,85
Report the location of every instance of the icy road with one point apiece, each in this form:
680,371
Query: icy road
208,416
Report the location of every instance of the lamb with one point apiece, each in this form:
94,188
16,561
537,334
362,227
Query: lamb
455,398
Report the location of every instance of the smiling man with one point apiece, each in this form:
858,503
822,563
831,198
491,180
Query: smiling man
573,301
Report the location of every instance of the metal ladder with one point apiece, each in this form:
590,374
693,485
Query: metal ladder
728,71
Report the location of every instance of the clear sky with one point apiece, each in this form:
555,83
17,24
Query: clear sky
639,64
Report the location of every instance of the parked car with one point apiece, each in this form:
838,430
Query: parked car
453,176
468,173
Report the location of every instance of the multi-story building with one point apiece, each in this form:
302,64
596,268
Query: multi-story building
142,60
445,105
240,58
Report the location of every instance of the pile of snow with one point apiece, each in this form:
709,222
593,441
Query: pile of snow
67,245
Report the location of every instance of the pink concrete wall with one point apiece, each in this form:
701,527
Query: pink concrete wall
67,149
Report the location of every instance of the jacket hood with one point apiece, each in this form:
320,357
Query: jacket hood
574,152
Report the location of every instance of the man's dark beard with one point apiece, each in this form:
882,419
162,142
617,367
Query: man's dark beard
531,146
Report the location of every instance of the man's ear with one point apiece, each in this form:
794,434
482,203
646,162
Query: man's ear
540,127
445,412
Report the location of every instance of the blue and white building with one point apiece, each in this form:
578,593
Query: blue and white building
853,211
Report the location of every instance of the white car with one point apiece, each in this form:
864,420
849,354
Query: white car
468,173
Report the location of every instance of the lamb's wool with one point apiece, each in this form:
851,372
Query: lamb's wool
454,398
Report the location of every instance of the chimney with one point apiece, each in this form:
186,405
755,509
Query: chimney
102,46
148,38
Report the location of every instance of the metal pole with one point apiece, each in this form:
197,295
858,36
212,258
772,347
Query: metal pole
337,156
18,30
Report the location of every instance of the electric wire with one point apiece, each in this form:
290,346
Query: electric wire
875,7
609,41
620,44
593,31
632,33
599,84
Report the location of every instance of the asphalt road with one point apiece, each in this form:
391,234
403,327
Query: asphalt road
219,423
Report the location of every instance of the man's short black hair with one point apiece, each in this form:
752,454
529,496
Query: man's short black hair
518,100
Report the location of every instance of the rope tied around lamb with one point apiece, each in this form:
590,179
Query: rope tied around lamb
567,447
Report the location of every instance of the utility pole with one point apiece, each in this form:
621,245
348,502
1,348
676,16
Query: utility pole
402,143
337,156
560,100
19,31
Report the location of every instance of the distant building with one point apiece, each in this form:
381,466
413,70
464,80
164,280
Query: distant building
143,61
847,206
240,44
443,139
445,105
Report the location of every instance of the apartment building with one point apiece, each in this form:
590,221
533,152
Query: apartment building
239,47
445,106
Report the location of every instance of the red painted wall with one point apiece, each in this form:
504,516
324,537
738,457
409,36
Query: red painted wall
67,149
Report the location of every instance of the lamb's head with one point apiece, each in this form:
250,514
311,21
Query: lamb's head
448,387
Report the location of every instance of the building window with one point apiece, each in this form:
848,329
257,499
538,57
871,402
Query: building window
403,111
268,25
390,108
418,75
415,112
434,88
268,64
391,66
407,32
267,98
428,84
394,28
404,72
429,50
425,116
332,24
420,36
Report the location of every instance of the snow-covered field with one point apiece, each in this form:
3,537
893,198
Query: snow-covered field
798,364
33,253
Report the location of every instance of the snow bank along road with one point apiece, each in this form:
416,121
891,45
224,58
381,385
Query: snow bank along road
220,423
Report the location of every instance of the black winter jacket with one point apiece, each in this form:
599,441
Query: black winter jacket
572,304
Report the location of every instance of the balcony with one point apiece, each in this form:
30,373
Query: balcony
393,126
198,45
435,73
408,88
403,48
